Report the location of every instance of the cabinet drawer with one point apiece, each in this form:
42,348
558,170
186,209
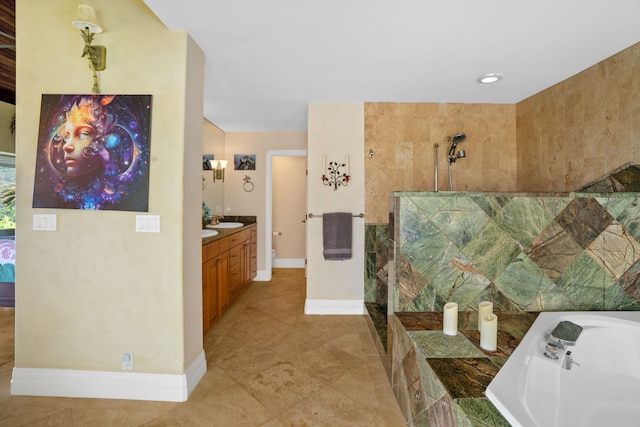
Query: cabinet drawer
235,239
234,255
224,244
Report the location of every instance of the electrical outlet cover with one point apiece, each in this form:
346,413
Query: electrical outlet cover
127,361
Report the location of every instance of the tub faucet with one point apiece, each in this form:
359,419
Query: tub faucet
567,361
566,333
563,335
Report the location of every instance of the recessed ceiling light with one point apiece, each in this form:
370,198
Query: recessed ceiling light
490,78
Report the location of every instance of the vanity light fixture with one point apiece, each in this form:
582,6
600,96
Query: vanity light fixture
88,25
219,167
490,78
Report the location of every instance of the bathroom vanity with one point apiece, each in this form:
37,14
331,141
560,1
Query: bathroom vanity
229,264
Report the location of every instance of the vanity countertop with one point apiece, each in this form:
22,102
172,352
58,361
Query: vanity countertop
224,232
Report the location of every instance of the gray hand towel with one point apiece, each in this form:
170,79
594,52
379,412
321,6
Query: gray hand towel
336,235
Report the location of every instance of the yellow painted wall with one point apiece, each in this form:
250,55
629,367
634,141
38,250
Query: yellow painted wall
94,288
253,203
335,130
582,128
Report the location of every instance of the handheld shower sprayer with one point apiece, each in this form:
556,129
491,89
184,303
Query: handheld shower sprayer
455,140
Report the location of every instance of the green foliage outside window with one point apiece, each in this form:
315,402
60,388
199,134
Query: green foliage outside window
8,206
7,198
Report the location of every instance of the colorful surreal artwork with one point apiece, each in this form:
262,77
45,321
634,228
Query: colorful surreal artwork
93,152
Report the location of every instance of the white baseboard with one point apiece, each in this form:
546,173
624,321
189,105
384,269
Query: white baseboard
289,263
331,306
263,276
108,385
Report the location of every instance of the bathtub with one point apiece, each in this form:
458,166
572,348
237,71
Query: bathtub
601,388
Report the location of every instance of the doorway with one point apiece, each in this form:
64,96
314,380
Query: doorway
269,208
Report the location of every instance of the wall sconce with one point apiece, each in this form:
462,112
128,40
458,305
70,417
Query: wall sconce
335,178
219,167
87,23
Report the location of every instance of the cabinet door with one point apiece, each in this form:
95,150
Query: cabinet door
212,291
253,252
223,282
205,298
246,263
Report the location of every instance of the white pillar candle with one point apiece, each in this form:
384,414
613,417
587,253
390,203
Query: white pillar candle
450,319
489,332
484,308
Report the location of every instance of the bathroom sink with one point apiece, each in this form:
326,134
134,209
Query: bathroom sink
228,225
209,233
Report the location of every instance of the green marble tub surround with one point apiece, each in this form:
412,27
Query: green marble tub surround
441,378
525,252
624,179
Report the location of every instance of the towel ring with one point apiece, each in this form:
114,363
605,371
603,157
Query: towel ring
248,185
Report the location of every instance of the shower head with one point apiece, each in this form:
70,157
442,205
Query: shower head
460,137
455,139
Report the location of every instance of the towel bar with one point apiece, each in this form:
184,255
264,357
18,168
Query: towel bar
310,215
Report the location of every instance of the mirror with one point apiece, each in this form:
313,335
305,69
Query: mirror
212,144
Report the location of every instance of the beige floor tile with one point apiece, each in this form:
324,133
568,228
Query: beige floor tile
293,342
330,408
274,422
281,386
327,363
268,365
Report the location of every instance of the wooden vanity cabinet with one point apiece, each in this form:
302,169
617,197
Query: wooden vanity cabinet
253,252
228,266
215,279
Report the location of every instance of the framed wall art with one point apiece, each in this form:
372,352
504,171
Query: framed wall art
244,162
93,152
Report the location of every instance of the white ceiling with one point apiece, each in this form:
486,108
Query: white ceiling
267,60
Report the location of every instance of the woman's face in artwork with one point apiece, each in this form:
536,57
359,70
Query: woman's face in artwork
80,152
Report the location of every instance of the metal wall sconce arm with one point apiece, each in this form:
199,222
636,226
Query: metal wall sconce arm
88,25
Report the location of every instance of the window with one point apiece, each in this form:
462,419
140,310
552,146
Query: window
7,191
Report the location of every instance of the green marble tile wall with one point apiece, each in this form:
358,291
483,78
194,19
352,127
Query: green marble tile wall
376,259
524,252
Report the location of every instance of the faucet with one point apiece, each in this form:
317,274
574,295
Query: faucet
567,361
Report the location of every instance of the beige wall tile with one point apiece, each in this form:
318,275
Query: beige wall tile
403,138
581,128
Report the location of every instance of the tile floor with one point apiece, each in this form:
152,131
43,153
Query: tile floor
268,365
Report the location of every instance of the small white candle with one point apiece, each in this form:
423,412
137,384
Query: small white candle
346,164
450,319
484,308
489,332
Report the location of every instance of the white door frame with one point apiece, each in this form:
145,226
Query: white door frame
268,215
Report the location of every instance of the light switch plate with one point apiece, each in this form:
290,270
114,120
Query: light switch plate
147,223
44,222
